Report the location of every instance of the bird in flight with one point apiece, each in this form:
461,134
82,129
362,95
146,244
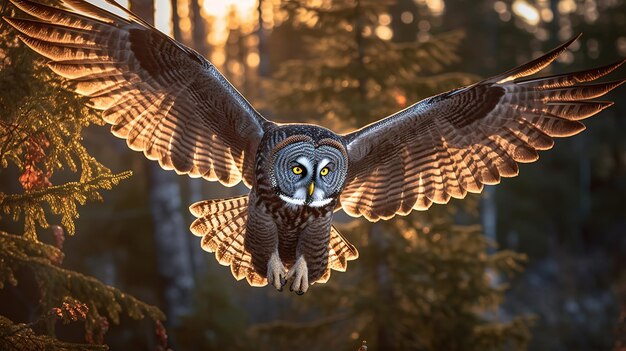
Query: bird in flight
173,105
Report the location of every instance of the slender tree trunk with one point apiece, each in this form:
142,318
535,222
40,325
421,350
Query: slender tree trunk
175,21
172,243
264,63
376,239
194,186
170,232
198,29
358,32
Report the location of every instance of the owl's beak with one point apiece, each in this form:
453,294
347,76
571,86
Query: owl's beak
311,188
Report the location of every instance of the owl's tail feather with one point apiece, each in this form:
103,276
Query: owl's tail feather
222,225
340,251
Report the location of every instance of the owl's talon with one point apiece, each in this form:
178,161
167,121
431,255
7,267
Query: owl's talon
276,272
300,274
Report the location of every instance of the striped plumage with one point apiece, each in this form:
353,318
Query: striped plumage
454,143
187,116
173,105
268,223
296,229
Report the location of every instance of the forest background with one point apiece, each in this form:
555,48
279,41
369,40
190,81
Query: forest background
554,276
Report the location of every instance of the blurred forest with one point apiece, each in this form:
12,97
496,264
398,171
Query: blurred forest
537,262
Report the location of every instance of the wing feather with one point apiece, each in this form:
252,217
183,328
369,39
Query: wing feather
455,142
162,97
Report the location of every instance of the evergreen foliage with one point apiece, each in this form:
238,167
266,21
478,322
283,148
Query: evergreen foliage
41,128
423,282
22,337
40,133
101,300
351,77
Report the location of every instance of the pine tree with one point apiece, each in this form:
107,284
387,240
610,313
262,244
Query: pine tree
423,281
41,128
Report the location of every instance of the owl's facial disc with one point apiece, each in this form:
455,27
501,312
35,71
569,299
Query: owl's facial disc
308,176
308,188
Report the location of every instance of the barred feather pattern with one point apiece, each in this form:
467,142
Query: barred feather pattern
297,230
340,251
222,226
162,97
455,142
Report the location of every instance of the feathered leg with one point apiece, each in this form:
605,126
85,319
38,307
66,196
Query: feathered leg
311,255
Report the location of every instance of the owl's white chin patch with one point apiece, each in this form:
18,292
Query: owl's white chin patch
291,200
320,203
300,202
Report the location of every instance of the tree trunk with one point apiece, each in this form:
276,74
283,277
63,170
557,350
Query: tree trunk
170,232
264,64
198,29
172,240
175,21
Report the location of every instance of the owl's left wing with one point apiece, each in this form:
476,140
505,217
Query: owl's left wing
162,97
455,142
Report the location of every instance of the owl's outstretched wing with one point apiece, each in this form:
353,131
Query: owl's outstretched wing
162,97
456,142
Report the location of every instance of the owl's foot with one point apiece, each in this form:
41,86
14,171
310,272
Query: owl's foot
300,274
276,272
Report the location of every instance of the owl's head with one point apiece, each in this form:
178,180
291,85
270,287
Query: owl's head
308,172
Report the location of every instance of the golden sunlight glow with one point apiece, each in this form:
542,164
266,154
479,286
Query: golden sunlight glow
162,13
253,59
384,19
567,6
436,7
547,15
526,11
103,4
184,22
226,15
400,98
384,32
219,10
163,16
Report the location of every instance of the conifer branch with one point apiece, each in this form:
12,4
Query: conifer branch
18,337
43,260
62,200
41,127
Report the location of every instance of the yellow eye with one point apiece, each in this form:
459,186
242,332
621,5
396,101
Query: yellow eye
297,170
324,171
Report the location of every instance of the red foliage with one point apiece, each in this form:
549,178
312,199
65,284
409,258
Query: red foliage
161,335
70,311
33,177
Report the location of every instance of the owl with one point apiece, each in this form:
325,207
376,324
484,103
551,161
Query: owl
173,105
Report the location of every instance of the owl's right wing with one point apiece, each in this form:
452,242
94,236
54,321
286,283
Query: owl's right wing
456,142
162,97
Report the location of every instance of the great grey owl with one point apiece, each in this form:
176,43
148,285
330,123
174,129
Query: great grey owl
169,102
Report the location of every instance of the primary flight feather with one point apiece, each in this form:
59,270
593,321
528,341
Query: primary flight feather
169,102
